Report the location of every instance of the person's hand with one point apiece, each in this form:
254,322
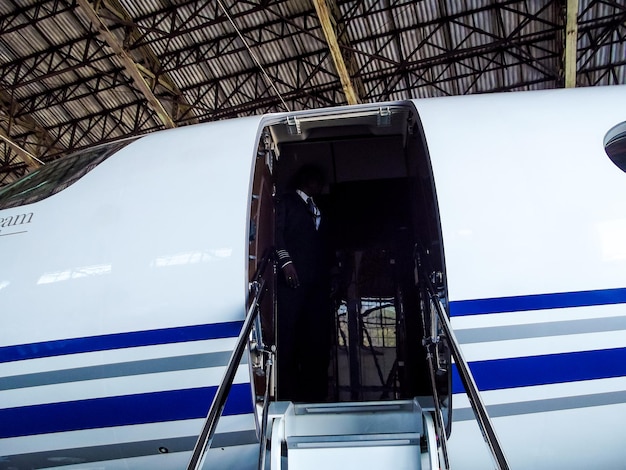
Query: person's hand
291,275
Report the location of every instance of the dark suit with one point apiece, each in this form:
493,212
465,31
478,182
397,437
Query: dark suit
304,319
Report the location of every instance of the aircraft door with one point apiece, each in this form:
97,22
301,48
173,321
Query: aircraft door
261,208
261,238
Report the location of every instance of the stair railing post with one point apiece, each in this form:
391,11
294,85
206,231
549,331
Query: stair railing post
257,288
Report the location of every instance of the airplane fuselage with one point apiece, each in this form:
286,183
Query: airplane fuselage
123,288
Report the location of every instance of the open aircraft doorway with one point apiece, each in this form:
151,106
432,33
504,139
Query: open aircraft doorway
379,205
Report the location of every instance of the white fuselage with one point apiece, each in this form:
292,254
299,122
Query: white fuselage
533,221
122,295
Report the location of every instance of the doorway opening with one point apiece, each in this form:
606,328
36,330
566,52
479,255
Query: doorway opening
379,204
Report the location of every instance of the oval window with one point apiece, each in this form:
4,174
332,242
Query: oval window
615,145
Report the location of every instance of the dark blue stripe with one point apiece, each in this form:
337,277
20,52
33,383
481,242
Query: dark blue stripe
543,370
538,302
119,341
120,411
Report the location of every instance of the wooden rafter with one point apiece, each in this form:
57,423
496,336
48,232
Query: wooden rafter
28,158
571,43
127,62
328,22
149,64
40,136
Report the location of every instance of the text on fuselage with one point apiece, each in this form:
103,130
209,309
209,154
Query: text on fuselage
14,221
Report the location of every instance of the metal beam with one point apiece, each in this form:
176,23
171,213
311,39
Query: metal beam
28,158
149,63
326,18
571,43
268,80
24,128
127,61
38,10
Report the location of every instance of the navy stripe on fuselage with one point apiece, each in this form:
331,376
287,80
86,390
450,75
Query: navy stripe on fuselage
529,371
173,405
537,302
119,341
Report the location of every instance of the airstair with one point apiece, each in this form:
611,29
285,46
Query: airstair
392,434
396,434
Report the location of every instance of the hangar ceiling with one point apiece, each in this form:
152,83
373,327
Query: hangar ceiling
75,73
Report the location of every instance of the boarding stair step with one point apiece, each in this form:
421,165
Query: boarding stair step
381,435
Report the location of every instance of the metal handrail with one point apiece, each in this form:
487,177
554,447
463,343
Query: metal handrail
219,400
480,410
440,428
269,370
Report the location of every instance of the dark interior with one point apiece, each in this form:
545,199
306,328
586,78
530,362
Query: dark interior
379,200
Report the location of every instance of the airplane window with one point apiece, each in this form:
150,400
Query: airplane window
54,177
615,145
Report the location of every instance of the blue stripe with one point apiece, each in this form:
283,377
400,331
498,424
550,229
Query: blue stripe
120,411
119,341
538,302
543,370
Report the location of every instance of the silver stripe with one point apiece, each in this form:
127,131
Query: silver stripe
150,366
57,458
540,330
542,406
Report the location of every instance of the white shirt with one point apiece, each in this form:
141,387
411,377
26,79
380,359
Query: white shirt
316,212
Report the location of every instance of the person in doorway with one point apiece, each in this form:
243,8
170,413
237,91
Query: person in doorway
303,294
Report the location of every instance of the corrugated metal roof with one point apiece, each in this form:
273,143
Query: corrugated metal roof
62,86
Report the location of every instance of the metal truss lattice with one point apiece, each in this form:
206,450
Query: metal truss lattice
75,73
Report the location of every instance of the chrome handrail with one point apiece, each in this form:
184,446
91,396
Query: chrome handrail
480,410
269,370
219,400
439,426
